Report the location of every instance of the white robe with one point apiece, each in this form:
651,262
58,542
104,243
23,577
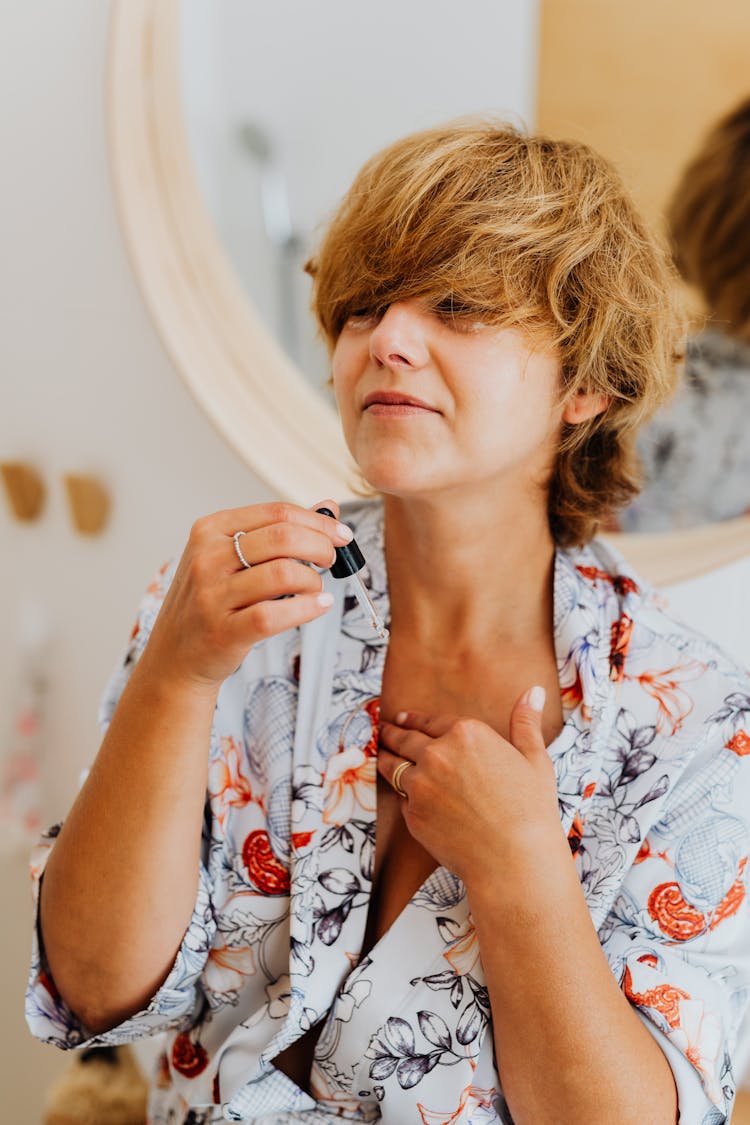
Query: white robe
653,769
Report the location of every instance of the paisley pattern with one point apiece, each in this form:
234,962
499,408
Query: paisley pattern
653,772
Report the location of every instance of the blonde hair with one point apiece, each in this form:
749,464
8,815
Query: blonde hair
709,221
525,232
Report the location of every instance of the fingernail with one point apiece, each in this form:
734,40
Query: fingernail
401,716
325,598
535,698
344,532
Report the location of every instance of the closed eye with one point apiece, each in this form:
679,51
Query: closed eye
365,317
458,315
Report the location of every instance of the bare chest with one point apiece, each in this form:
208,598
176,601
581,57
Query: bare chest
485,690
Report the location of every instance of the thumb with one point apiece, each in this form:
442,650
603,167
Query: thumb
331,506
526,722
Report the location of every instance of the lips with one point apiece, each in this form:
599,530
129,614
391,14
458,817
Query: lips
395,398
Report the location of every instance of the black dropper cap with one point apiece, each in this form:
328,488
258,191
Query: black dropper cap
349,559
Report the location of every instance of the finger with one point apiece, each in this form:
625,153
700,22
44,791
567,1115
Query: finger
276,578
434,725
388,764
331,505
267,618
526,722
256,516
409,744
282,541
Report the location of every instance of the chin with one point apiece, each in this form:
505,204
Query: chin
388,480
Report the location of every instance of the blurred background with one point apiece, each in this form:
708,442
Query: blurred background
282,102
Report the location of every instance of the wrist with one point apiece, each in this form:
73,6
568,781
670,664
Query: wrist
531,868
166,683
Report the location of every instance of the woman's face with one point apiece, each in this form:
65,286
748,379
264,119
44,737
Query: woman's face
430,403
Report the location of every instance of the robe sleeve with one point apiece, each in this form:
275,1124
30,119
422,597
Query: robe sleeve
678,935
177,1002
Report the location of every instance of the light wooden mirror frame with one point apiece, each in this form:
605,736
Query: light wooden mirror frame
259,401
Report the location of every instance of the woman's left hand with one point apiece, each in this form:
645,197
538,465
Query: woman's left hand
472,797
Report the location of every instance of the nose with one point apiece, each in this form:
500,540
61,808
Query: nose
399,339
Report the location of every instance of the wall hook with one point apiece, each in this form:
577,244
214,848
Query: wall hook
24,488
89,502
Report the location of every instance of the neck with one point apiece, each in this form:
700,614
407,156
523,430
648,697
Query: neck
460,581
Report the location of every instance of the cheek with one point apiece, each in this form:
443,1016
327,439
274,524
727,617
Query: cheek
345,365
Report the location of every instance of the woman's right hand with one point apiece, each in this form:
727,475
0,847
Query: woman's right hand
216,610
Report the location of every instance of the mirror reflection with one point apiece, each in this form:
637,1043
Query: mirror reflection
273,157
271,165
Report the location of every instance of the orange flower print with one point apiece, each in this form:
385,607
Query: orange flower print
681,921
462,952
350,785
472,1099
699,1036
226,783
674,703
156,586
733,899
740,744
622,631
46,981
372,707
189,1058
620,582
575,835
676,917
227,968
264,869
578,672
594,574
664,998
571,694
163,1079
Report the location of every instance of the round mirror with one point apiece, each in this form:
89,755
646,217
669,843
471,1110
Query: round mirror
223,171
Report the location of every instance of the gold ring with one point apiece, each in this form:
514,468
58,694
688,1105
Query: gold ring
397,777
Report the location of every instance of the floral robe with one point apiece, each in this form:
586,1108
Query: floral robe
653,769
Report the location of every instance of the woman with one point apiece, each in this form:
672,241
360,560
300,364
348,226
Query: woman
500,321
695,453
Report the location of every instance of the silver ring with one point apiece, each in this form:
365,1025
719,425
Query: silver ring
396,783
238,549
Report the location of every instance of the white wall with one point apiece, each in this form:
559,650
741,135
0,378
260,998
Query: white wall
85,386
361,76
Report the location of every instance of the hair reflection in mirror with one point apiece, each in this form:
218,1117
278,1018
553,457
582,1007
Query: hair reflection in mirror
695,454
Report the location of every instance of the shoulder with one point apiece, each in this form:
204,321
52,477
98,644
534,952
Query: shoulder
662,665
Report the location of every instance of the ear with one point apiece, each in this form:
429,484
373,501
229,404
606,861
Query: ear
583,406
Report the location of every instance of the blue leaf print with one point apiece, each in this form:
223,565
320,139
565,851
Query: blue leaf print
339,881
658,789
399,1036
411,1071
470,1024
435,1030
383,1067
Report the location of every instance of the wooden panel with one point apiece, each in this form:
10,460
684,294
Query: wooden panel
641,81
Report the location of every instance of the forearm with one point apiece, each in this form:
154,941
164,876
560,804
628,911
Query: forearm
569,1045
120,885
